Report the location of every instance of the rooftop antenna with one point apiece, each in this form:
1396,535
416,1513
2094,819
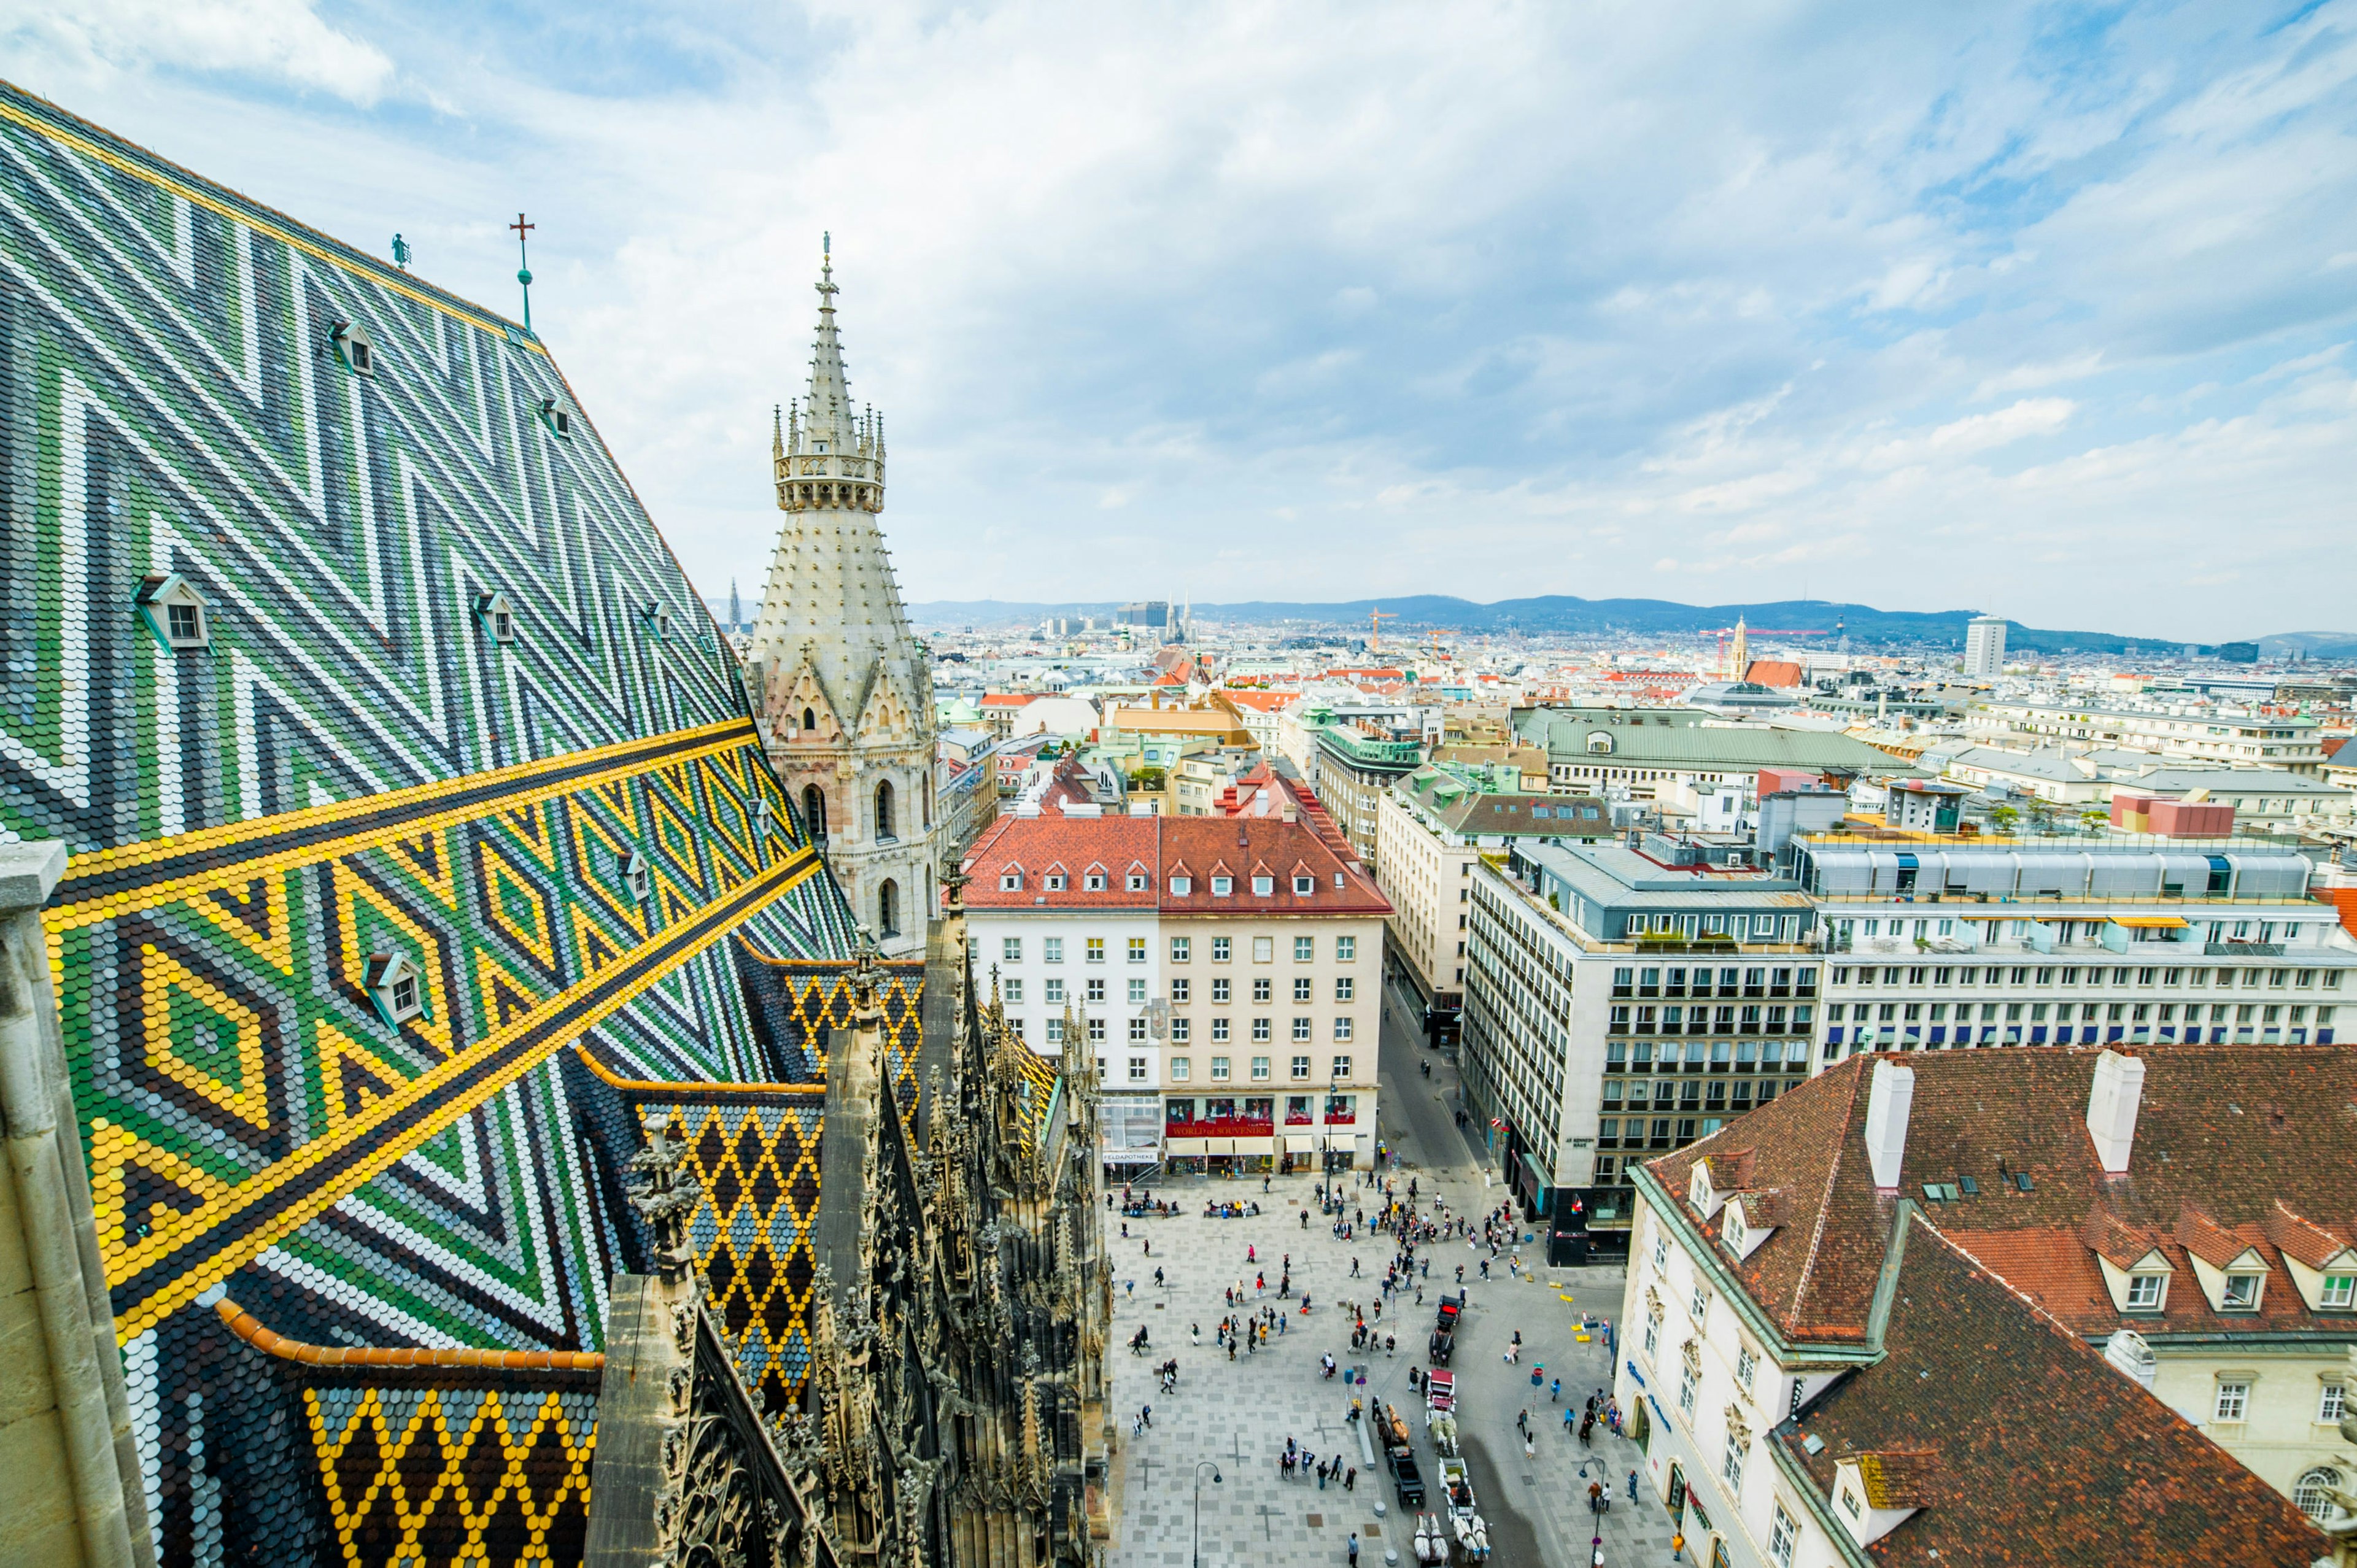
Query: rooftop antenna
523,271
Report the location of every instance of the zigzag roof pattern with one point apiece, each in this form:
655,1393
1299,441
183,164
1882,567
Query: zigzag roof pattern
554,818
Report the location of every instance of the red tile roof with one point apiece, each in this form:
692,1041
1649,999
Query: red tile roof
1197,847
1029,846
2020,1445
1773,673
2224,1134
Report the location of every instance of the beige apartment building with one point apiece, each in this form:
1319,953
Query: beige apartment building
1430,829
1225,971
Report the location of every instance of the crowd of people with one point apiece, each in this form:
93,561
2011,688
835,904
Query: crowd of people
1414,1223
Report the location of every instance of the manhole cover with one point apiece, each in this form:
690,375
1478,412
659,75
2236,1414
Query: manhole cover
1318,1521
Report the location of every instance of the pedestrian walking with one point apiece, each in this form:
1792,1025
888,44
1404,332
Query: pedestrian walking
1566,1421
1146,1414
1351,1480
1633,1486
1354,1549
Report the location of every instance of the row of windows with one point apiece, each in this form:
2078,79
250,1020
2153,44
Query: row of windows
1300,1110
1719,1056
1182,1030
1760,979
1741,927
2068,931
1053,992
2089,1011
1182,1068
1304,886
1676,1019
1182,949
2198,977
1732,1097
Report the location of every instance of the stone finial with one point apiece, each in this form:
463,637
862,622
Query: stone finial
665,1195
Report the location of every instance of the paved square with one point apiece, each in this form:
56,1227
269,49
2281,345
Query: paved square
1237,1415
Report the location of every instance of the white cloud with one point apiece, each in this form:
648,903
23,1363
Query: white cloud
283,40
1631,290
1975,433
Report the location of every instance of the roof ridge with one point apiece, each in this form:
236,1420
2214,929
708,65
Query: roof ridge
1824,1209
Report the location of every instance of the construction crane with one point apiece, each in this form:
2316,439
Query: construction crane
1433,637
1375,619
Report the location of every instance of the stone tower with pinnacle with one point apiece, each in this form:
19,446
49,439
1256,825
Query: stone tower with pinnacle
846,693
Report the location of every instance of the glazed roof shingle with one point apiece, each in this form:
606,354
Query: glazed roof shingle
2022,1447
2223,1135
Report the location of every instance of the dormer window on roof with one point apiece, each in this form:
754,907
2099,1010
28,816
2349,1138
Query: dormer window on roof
1264,885
395,988
557,417
1055,882
1223,886
1181,885
638,876
497,616
658,620
1010,880
1136,882
175,613
2241,1293
354,350
1304,886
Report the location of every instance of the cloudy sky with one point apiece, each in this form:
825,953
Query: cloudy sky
2045,309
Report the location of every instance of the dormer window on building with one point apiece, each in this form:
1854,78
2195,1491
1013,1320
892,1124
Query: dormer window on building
1180,886
1055,882
658,620
496,617
1136,882
638,876
395,988
175,613
2241,1291
1264,885
1093,880
354,350
1221,887
2148,1292
1304,886
557,417
1010,880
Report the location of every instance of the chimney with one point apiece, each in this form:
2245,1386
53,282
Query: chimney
2112,1103
1891,1092
1286,811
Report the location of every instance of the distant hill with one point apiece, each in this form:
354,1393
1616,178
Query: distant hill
1564,614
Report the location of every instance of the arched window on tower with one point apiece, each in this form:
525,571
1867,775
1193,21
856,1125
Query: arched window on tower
814,813
885,828
809,721
888,907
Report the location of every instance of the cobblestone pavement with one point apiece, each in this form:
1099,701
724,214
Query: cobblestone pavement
1235,1417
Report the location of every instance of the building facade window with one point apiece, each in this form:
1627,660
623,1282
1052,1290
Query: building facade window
2233,1401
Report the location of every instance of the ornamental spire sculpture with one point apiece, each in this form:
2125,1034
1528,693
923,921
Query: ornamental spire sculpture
845,691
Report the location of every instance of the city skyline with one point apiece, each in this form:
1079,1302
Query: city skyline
2027,309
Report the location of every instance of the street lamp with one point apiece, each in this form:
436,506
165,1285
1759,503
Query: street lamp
1200,1466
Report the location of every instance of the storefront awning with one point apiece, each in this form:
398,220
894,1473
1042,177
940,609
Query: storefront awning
2149,922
